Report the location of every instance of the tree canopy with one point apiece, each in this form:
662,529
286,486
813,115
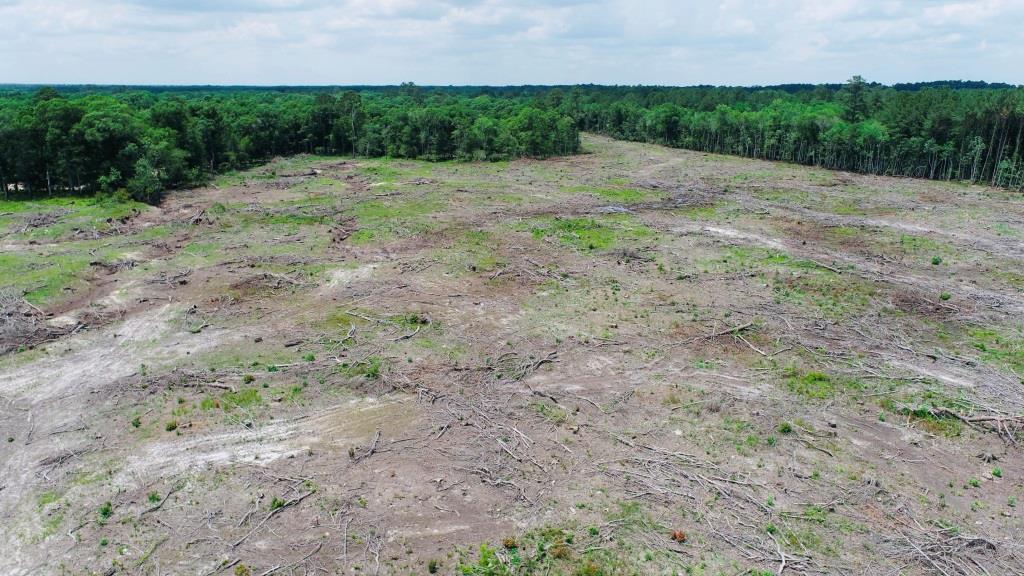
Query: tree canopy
142,141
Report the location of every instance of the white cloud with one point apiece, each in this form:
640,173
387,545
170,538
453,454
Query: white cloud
508,41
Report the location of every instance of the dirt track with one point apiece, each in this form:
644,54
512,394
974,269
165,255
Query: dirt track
392,363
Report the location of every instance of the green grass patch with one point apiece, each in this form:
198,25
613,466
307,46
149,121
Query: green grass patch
592,233
474,250
619,195
201,249
385,220
379,209
47,498
911,244
228,179
701,212
755,176
746,258
1004,229
555,414
245,398
369,368
341,321
294,220
1004,348
51,525
572,550
834,295
1015,279
44,277
245,359
846,207
816,385
844,232
64,215
782,195
919,407
391,169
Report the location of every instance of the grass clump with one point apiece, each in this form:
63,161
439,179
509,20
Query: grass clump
106,510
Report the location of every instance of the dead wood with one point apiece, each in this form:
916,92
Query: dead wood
271,514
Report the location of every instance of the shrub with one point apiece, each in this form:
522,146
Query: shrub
106,511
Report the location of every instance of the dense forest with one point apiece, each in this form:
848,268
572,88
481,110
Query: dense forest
944,130
139,141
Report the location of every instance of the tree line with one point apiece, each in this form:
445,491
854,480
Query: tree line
945,130
141,141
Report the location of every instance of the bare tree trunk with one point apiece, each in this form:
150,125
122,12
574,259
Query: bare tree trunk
49,189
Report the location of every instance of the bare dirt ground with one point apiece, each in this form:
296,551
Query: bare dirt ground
633,361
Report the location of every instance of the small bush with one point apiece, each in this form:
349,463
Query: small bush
106,511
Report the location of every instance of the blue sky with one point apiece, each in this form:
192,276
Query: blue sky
508,41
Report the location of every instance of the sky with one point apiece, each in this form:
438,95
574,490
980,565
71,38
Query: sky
507,42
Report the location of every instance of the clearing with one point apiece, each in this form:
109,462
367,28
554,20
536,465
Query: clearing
635,360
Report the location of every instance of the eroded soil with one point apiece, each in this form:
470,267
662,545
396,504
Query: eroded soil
636,360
